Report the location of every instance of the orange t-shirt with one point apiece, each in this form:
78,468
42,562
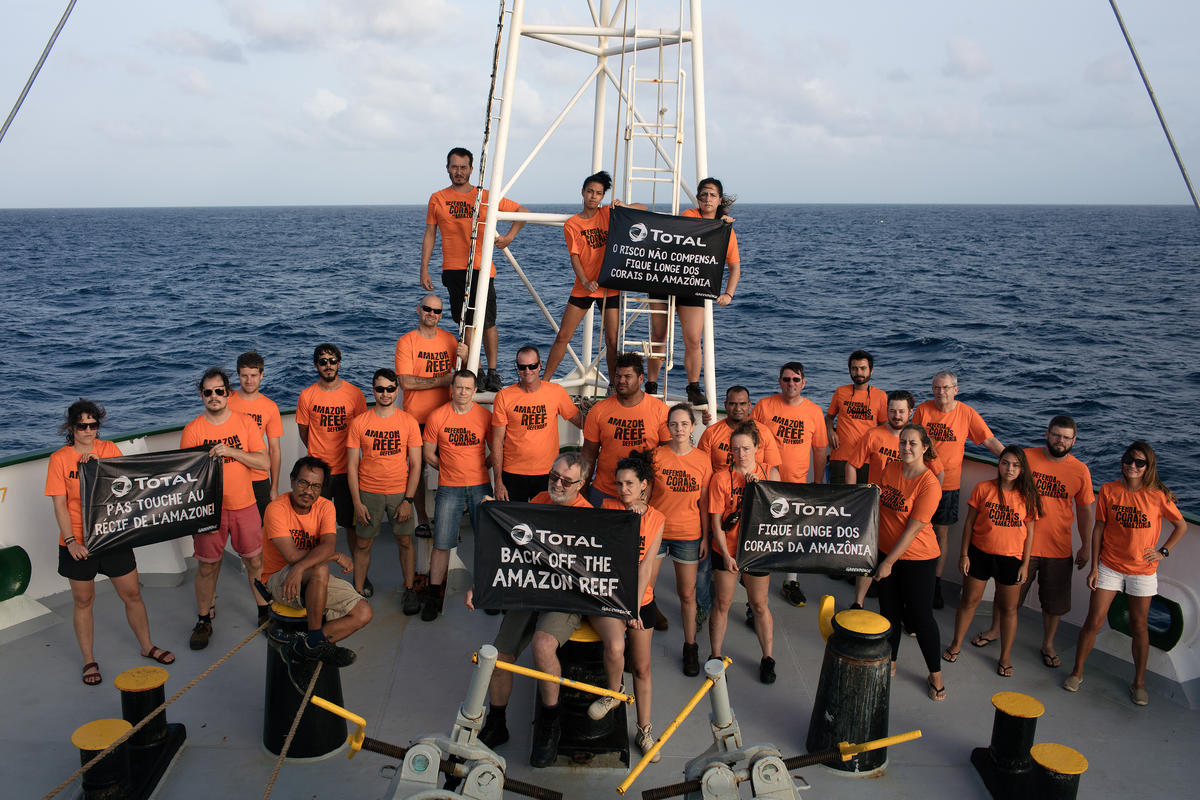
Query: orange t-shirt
426,358
857,411
725,494
280,520
579,502
620,430
383,443
1132,523
1000,520
950,431
451,211
649,522
680,486
62,478
715,442
1059,483
586,238
265,414
880,447
239,432
461,441
530,425
731,252
328,416
798,429
900,500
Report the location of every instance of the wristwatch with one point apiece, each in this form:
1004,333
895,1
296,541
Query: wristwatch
1163,551
404,499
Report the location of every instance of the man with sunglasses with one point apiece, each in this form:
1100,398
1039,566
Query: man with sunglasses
237,441
383,458
323,415
425,362
799,426
525,429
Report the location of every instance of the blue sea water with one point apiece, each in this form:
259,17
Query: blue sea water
1090,311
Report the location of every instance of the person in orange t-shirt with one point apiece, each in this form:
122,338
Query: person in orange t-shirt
82,429
908,551
455,444
997,542
851,416
450,211
616,426
1129,519
248,400
239,443
879,447
525,429
715,439
713,204
383,452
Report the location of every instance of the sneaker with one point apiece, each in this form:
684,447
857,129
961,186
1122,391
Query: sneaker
793,594
691,659
651,387
695,395
602,705
1072,684
492,382
322,651
494,732
368,589
546,734
1139,696
431,604
645,740
201,633
342,657
766,670
938,602
411,602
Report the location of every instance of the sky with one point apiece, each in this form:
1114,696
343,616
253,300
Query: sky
332,102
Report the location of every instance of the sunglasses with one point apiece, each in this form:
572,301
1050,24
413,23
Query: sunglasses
381,389
328,362
219,392
87,426
790,380
431,310
556,478
1131,461
528,367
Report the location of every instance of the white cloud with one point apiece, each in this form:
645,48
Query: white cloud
193,43
194,82
966,59
324,105
280,25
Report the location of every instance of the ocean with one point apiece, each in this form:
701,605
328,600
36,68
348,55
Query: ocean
1090,311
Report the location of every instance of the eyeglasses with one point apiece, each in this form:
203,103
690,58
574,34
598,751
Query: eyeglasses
381,389
219,392
528,367
791,380
556,478
430,310
304,485
87,426
1130,461
328,362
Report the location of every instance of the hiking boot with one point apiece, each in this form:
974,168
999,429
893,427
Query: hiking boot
691,659
493,383
201,633
645,740
410,602
651,387
793,594
766,670
603,704
695,395
546,734
431,603
494,732
938,602
368,589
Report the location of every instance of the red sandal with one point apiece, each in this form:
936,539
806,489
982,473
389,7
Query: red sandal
91,674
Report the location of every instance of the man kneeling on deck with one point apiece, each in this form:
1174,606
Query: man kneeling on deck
299,536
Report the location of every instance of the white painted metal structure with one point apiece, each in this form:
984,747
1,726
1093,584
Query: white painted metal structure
611,35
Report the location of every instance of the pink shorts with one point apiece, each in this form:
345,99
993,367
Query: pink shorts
242,525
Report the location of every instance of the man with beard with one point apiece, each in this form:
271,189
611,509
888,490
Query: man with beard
879,447
715,439
1060,478
851,415
258,407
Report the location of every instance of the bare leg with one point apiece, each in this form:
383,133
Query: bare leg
545,658
360,553
83,594
723,585
206,585
1006,606
340,628
612,634
1049,629
757,590
611,324
972,594
1139,630
691,321
253,566
500,687
639,646
685,587
491,346
566,330
1097,614
943,532
408,559
135,610
439,563
861,584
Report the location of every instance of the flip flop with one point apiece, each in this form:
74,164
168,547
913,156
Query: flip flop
1053,662
160,655
91,674
981,641
1004,671
950,656
936,694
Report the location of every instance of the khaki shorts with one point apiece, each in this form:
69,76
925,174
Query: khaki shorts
516,630
385,505
340,597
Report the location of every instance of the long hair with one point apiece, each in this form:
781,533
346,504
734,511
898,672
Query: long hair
1150,478
641,462
1024,483
75,412
727,200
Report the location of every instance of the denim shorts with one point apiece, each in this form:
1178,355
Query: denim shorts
681,551
449,505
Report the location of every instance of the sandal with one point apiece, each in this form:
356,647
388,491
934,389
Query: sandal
981,641
160,655
935,694
1004,671
1051,661
91,674
950,656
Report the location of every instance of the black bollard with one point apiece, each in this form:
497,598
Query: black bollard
319,733
108,779
1005,766
854,690
599,743
151,748
1056,772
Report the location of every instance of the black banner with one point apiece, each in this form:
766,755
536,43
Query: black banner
807,527
664,254
557,558
133,501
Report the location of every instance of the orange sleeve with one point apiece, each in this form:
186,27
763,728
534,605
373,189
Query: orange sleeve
926,499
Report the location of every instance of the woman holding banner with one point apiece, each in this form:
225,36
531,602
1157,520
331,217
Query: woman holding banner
725,508
635,474
713,204
81,429
908,549
681,477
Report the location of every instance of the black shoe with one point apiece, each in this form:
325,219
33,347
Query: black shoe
856,606
201,633
766,670
695,395
411,603
661,623
368,589
749,617
651,387
494,732
342,657
493,383
323,650
691,659
546,734
431,603
938,602
793,594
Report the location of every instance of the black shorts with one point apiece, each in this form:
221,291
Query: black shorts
114,564
586,302
337,489
686,302
523,488
947,510
985,565
649,615
262,495
455,281
718,565
837,472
